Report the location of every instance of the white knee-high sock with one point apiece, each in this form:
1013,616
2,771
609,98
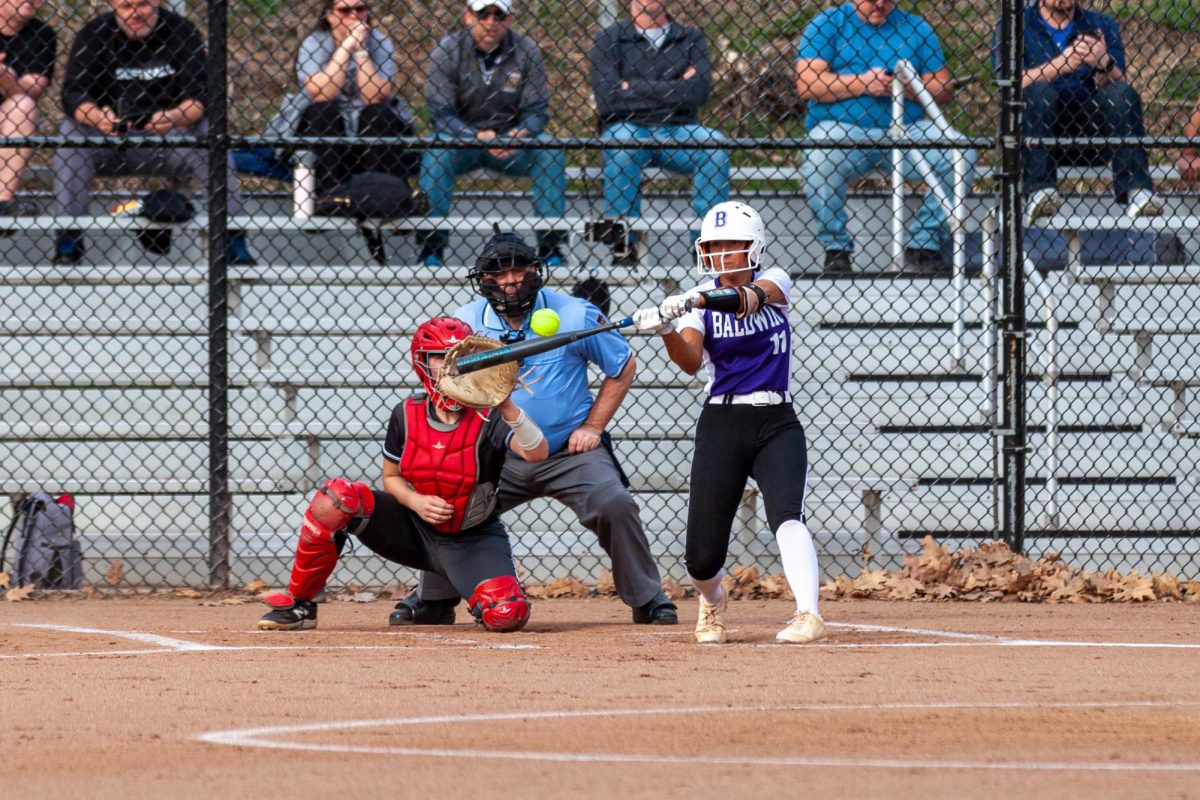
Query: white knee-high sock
799,556
710,589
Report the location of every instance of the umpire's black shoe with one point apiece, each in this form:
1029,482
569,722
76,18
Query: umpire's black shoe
299,616
659,611
412,610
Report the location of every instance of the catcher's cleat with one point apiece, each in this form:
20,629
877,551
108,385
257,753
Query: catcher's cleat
804,628
710,627
412,610
659,611
301,615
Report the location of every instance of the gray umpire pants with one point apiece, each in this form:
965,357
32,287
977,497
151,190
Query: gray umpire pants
75,167
588,484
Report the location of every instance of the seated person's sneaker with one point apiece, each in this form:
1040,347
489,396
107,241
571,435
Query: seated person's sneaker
431,258
804,628
1042,203
710,627
238,251
923,261
19,208
1143,203
837,262
301,615
628,254
659,611
412,610
68,249
553,258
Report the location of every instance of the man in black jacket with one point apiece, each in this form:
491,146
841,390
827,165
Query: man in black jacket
487,81
136,74
651,75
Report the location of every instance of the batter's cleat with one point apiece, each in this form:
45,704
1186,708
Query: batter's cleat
412,610
659,611
804,628
301,615
710,627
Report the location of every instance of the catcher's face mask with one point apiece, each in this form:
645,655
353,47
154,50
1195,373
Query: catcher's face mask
508,253
434,338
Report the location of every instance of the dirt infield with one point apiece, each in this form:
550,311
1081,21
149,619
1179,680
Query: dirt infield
156,698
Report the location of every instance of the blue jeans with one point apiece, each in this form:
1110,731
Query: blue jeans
1114,110
439,168
623,168
828,172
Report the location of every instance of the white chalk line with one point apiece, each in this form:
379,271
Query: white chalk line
168,644
261,737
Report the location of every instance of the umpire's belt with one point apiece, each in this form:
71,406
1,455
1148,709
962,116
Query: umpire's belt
752,399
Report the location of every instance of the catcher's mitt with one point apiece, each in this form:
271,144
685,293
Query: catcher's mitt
485,388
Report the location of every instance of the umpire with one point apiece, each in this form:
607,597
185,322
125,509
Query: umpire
581,472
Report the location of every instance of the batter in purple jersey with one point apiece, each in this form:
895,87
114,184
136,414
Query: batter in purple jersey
735,327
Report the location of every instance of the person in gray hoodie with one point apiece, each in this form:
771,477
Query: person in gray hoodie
651,76
487,81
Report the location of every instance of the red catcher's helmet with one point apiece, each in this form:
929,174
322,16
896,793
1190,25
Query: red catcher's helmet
436,337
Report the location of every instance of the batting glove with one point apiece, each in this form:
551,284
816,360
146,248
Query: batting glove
648,319
674,307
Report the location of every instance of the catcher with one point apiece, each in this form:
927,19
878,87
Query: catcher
437,511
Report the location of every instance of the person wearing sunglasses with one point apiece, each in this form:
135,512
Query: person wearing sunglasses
486,81
347,73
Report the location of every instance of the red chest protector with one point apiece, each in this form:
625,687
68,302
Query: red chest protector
446,464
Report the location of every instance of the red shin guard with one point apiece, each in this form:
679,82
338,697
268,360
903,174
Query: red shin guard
501,604
332,507
315,560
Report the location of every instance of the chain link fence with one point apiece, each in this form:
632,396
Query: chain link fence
1008,354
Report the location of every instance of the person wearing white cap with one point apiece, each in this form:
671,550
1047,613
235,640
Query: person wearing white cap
487,81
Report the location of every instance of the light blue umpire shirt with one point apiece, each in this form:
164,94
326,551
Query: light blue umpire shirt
558,398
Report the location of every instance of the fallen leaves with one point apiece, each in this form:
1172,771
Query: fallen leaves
995,572
3,580
18,594
563,587
115,572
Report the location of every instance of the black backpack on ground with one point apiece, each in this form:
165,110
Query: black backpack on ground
48,556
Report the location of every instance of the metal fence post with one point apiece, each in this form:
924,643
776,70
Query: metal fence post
219,506
1012,276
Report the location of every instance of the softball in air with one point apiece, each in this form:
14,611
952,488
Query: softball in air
544,322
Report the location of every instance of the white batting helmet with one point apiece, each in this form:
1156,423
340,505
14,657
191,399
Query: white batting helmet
733,222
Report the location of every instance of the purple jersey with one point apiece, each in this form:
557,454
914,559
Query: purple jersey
746,355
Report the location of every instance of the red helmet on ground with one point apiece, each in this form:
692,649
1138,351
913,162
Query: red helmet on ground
436,337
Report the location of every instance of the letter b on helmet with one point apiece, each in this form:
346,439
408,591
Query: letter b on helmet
500,604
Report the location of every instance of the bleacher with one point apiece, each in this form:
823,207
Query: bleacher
113,357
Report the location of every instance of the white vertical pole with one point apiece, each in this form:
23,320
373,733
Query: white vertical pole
990,230
896,131
958,235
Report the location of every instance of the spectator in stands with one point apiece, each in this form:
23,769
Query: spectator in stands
844,70
27,49
347,73
488,81
136,74
1189,161
651,76
1073,80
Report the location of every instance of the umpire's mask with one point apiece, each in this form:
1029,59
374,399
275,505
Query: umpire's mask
506,252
